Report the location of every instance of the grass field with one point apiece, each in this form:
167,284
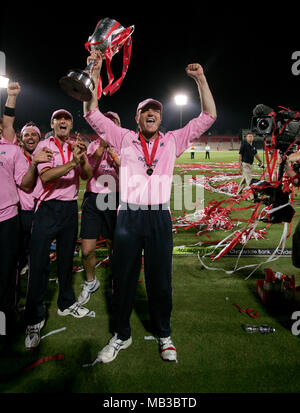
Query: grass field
215,355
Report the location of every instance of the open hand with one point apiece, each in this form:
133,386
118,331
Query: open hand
43,155
79,144
78,154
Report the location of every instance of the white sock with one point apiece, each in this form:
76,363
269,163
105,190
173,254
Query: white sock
91,283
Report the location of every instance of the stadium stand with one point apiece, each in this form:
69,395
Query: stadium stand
217,143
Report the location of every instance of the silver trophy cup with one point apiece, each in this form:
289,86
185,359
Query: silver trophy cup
78,83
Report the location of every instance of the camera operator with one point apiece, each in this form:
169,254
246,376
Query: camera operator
247,154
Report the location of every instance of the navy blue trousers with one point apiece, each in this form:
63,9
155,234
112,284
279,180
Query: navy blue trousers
53,220
9,255
151,231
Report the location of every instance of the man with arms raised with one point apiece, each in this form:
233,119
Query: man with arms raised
144,221
15,174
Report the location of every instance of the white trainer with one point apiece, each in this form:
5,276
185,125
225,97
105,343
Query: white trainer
76,310
111,350
86,292
33,335
167,349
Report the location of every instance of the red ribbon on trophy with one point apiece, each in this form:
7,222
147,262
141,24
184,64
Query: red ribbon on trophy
109,37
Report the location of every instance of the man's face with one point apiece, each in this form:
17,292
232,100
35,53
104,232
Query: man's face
249,138
30,139
62,125
149,119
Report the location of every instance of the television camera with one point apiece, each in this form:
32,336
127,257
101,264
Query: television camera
280,130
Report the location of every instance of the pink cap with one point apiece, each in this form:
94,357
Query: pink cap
30,127
61,111
113,115
146,102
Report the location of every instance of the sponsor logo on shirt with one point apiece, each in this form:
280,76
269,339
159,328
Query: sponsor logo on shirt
142,159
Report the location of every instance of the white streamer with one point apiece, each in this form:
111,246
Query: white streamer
270,259
91,314
54,332
148,338
97,360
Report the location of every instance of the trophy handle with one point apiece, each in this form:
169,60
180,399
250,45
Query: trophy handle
119,46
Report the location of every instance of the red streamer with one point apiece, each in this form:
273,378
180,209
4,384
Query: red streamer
43,360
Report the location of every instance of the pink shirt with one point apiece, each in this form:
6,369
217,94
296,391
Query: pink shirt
64,188
136,186
13,167
105,177
26,198
4,140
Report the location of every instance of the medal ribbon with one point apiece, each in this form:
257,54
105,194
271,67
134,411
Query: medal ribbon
149,160
27,157
61,151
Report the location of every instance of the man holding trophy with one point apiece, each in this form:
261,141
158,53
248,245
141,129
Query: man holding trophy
144,221
146,172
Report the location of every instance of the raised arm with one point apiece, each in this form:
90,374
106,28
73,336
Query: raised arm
13,89
195,71
102,125
96,69
196,126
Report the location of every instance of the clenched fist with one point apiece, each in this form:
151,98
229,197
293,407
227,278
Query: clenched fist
195,71
13,89
97,57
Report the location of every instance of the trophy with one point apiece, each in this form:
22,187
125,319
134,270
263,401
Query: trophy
108,37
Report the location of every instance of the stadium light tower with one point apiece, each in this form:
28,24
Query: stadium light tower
180,100
3,79
3,82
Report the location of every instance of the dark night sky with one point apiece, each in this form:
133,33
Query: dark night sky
247,60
